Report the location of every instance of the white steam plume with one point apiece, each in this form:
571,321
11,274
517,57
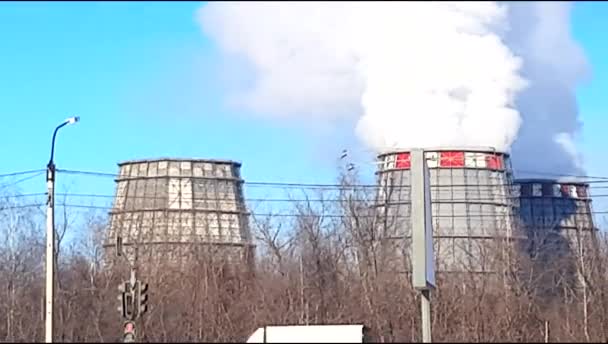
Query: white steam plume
412,74
554,64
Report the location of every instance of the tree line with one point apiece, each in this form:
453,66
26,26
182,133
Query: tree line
309,269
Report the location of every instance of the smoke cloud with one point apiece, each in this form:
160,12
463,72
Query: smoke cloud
555,65
414,74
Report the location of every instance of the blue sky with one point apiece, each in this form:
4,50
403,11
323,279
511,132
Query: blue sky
144,81
590,28
146,84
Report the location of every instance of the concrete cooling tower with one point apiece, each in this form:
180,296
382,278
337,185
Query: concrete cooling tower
471,206
555,209
166,209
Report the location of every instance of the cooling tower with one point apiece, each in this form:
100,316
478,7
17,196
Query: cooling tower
546,207
166,209
471,206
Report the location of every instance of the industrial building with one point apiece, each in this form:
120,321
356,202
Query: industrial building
557,217
561,207
471,207
165,210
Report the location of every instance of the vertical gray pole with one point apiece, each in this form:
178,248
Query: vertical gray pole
423,271
132,278
425,306
50,252
50,235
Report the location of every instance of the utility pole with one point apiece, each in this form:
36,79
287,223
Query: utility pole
50,235
50,251
423,268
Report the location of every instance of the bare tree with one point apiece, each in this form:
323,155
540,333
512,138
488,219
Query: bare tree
326,262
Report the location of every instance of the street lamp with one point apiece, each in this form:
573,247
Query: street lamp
50,234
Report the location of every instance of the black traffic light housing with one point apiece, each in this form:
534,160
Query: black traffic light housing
122,299
126,299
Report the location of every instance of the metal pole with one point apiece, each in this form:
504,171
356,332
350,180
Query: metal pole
132,280
50,251
425,303
50,235
423,268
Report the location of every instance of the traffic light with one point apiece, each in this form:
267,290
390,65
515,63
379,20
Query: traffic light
129,332
122,302
143,298
126,299
118,246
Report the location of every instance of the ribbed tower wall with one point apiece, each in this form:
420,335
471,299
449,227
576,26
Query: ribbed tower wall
169,211
557,217
472,208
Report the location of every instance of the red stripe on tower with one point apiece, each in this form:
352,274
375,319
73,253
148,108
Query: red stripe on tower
403,161
494,162
451,159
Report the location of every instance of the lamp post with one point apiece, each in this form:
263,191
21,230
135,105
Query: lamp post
50,235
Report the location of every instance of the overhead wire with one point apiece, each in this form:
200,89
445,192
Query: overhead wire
370,203
334,185
262,183
3,186
12,174
20,206
294,200
285,185
304,214
23,195
559,175
299,214
496,197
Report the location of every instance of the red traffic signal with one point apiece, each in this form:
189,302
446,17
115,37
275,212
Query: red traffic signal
129,327
129,335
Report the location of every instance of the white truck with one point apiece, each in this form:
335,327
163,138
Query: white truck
309,334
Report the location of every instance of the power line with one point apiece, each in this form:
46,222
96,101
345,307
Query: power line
299,215
282,184
217,198
496,215
24,195
474,187
558,175
346,200
303,214
20,180
12,174
21,206
374,201
291,184
283,214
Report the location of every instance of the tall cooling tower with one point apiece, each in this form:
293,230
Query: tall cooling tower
165,209
555,209
471,206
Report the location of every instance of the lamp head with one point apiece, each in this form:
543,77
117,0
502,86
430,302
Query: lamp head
73,120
